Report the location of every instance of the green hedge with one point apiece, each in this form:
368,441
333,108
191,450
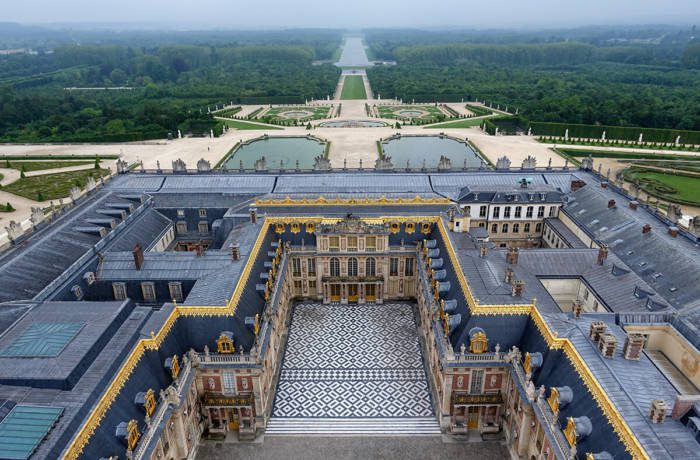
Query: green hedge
614,132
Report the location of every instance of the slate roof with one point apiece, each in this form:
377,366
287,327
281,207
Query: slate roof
54,248
354,183
631,385
669,265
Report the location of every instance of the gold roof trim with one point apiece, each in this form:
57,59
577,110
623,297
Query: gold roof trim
321,200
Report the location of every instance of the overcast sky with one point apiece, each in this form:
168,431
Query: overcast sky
237,14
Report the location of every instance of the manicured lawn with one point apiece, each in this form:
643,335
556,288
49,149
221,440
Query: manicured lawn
353,88
52,186
290,115
42,165
671,187
463,123
625,155
244,125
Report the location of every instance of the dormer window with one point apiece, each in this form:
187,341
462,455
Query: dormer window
181,213
202,212
133,434
77,292
149,403
89,278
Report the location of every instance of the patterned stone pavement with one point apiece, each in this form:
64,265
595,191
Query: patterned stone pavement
353,361
368,448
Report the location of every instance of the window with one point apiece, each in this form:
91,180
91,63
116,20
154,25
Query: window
352,243
585,294
538,227
506,212
296,267
504,229
297,287
528,211
552,211
370,267
494,228
77,291
595,305
540,211
518,212
335,266
334,243
352,266
244,384
482,211
516,228
312,285
496,212
175,289
148,290
180,213
477,382
394,266
119,290
312,266
526,227
203,227
89,277
202,212
229,387
181,228
409,267
371,243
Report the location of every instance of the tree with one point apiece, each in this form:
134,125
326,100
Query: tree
39,196
97,163
308,125
21,172
8,207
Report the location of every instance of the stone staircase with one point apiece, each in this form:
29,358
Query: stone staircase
379,426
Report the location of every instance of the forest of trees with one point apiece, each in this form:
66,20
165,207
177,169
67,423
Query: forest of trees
172,85
614,79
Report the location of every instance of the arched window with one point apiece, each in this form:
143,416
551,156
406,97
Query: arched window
335,266
352,266
370,267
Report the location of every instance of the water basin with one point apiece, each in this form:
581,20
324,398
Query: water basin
275,149
415,149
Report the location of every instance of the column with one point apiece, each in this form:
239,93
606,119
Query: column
361,293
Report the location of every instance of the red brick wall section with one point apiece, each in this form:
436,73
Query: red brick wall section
455,381
493,381
242,388
211,383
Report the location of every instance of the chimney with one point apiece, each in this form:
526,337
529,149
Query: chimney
512,256
138,256
577,308
518,288
483,250
596,329
673,231
634,204
602,253
235,252
683,404
657,414
611,204
253,215
633,346
606,344
646,228
509,275
577,184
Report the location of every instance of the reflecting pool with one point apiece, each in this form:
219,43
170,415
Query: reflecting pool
275,149
415,149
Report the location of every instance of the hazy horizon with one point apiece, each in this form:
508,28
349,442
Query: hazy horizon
274,14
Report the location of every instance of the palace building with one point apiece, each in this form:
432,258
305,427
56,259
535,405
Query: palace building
543,309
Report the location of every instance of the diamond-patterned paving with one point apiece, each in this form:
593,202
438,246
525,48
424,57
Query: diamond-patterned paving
353,361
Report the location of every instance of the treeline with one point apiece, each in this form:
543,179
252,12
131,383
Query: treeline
172,87
658,45
551,54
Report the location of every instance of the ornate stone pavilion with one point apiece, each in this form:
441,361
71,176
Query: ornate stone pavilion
165,311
